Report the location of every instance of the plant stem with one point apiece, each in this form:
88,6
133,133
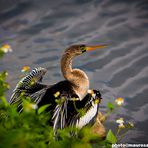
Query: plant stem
118,131
123,135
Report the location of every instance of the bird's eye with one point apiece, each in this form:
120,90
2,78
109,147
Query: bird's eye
83,48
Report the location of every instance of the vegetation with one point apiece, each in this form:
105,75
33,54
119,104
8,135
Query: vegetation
31,129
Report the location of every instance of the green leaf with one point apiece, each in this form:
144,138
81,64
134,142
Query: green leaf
4,101
110,106
111,138
3,75
43,108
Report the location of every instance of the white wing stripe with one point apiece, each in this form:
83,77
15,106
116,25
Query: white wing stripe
87,117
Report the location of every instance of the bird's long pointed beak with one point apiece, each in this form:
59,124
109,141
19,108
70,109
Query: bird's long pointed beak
90,48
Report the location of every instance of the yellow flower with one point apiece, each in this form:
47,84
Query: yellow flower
34,106
74,99
119,101
6,48
56,94
22,94
62,99
121,125
30,106
131,124
33,81
120,121
97,101
25,69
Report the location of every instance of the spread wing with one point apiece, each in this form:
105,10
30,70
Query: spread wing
74,112
29,86
88,109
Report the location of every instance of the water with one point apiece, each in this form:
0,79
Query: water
39,31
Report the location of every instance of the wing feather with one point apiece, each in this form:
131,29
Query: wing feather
60,115
90,107
68,112
29,86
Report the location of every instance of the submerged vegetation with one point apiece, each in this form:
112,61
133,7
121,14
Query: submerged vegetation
31,129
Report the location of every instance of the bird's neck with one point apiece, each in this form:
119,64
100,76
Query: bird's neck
77,77
66,65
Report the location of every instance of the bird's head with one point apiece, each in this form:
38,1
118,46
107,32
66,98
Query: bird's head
79,49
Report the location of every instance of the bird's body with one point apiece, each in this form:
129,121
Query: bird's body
69,106
70,102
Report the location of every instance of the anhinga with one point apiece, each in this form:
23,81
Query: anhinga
66,98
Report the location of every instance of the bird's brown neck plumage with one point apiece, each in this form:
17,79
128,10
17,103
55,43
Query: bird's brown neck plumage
77,77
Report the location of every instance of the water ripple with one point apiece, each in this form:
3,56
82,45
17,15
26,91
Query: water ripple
36,28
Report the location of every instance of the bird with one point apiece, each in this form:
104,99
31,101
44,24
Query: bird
72,102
